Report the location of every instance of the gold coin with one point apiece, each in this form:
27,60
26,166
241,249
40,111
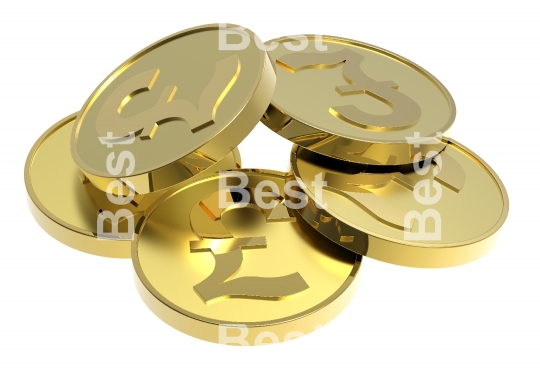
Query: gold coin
184,99
447,213
354,101
68,207
239,269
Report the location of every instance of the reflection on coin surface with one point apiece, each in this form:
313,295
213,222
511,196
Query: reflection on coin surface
445,217
182,99
354,101
66,205
241,274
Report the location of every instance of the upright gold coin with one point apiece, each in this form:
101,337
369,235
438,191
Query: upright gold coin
447,213
354,101
70,209
184,99
232,265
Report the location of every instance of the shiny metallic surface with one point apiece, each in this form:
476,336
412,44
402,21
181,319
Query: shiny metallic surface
258,275
66,205
355,102
398,215
181,102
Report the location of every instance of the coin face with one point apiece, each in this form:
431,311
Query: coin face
240,269
67,206
446,213
354,101
184,97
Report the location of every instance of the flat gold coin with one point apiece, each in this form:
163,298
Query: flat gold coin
447,213
239,269
68,207
184,99
354,101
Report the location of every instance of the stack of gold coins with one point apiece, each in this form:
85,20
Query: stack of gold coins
148,169
381,178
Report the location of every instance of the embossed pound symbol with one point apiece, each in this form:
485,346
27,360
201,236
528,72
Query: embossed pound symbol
228,255
167,108
406,112
359,188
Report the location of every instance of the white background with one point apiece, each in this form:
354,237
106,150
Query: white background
66,312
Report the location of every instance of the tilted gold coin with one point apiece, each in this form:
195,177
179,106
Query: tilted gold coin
181,100
232,268
447,213
70,208
354,101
